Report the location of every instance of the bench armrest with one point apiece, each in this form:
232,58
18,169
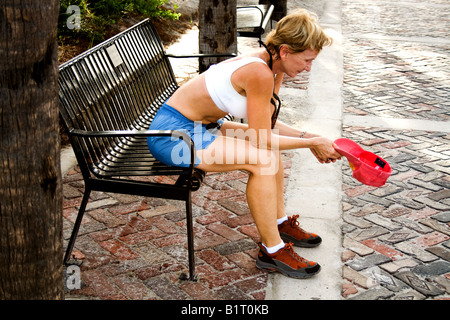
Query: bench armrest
144,133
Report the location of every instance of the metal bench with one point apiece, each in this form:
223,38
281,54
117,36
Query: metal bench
108,97
252,20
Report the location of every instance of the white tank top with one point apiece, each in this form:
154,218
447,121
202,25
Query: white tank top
221,90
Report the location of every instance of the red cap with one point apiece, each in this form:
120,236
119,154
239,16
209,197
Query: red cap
368,168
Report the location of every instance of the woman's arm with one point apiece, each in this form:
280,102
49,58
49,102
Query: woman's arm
259,89
287,130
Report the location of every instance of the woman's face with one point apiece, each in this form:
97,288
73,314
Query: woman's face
295,63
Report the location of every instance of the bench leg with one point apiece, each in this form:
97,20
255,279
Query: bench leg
189,225
190,238
77,224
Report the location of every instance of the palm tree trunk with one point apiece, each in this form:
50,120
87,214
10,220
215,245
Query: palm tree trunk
30,174
217,29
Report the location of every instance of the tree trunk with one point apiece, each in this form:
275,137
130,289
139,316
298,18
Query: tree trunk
30,173
280,9
217,29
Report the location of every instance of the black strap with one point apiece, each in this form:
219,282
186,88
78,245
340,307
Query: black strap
277,104
268,51
275,100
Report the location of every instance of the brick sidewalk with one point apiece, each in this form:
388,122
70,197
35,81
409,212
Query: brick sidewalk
396,238
135,247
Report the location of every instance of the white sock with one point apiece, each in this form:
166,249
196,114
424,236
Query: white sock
275,248
281,220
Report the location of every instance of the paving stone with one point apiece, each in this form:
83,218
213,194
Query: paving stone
357,247
414,225
441,252
367,210
441,281
348,289
424,287
347,228
386,191
361,263
402,158
234,206
432,204
414,251
357,278
424,185
383,222
440,227
151,254
358,222
378,293
420,167
408,203
440,195
377,200
160,210
225,231
399,236
99,285
347,255
369,233
71,192
100,204
432,269
395,266
165,289
133,288
236,246
385,279
430,239
109,219
435,166
215,260
395,211
231,293
422,214
383,249
442,181
446,244
408,295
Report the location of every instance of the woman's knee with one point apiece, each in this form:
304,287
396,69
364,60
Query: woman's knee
266,162
227,153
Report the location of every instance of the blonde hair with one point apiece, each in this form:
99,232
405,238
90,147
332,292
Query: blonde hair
299,31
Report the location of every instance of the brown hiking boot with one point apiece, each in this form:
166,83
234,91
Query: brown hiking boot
290,231
287,262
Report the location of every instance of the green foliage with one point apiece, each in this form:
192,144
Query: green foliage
152,8
98,15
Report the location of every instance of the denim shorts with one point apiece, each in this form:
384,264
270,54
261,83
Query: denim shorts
172,150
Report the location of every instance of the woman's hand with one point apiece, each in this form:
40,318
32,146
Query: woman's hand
324,150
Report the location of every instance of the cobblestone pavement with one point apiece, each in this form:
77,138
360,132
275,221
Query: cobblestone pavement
135,247
397,65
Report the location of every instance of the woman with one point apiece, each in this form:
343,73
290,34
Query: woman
247,87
